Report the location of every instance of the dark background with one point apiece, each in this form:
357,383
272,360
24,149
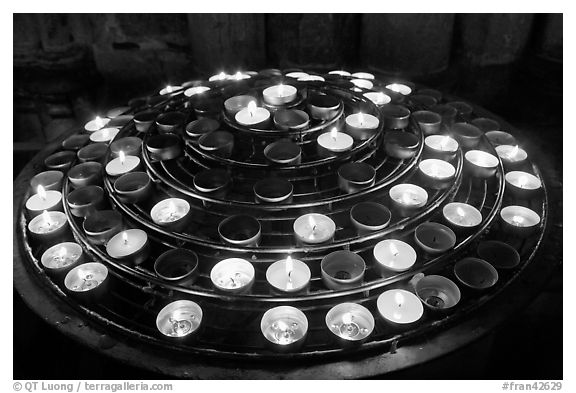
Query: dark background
70,67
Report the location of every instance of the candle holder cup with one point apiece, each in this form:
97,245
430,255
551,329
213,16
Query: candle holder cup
424,100
59,259
362,126
447,113
284,328
436,174
180,320
393,256
519,221
170,122
437,293
523,185
356,176
273,190
475,274
342,270
55,233
401,145
499,254
400,309
60,161
235,104
75,142
497,138
143,120
323,107
240,230
485,124
480,164
93,152
87,282
293,281
218,143
178,266
164,147
200,127
467,135
395,116
233,275
464,110
283,152
50,180
441,147
291,119
173,214
85,201
434,238
133,187
351,324
120,121
429,122
368,217
130,146
86,174
133,256
406,199
213,181
99,228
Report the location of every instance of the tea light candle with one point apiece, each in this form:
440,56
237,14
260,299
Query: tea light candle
253,116
393,255
192,91
436,174
363,75
462,215
511,156
169,90
96,124
350,322
333,142
401,145
339,72
170,212
129,245
314,228
118,111
361,126
122,164
104,134
61,257
280,94
519,220
297,74
288,275
378,97
233,275
362,83
480,163
441,146
48,226
522,184
399,88
284,326
43,200
86,278
219,77
399,306
179,319
407,198
239,76
311,78
434,238
497,138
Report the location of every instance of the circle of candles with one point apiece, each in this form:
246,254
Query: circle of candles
233,275
288,275
130,245
133,187
99,228
178,266
61,257
283,152
179,319
350,322
60,161
432,93
122,164
192,91
370,216
164,147
291,119
400,144
511,156
323,106
212,180
50,180
285,327
467,135
279,94
201,127
96,124
363,75
75,142
253,116
356,176
522,184
464,110
240,230
519,220
333,142
428,121
130,145
436,174
475,273
441,146
342,269
399,88
43,200
169,122
393,255
499,254
48,226
118,111
93,152
339,73
480,163
86,174
85,200
399,306
104,134
461,216
361,126
120,121
170,212
434,238
314,228
497,138
407,198
273,190
395,116
436,292
311,78
362,83
87,280
235,104
447,112
424,100
143,120
218,143
486,124
170,90
296,74
378,98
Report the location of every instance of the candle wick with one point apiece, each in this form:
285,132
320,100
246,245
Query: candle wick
434,239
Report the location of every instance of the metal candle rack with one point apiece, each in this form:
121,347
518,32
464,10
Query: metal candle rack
231,322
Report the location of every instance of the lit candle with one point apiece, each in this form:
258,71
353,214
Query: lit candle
288,275
519,220
511,155
462,215
179,319
441,146
394,255
363,75
339,72
314,228
96,124
253,116
170,89
408,198
361,126
86,278
436,174
220,77
170,212
362,83
399,88
284,326
399,306
480,163
43,200
297,75
522,184
192,91
333,142
233,275
311,78
48,226
61,257
350,322
129,245
378,97
122,164
104,134
239,76
280,94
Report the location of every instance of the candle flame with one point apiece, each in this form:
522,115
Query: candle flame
280,90
394,87
125,237
517,220
399,299
289,265
105,133
347,318
122,157
98,122
407,197
361,118
334,133
168,89
393,249
434,171
171,207
312,223
222,75
61,253
444,142
46,218
522,181
252,107
460,211
41,192
513,152
238,75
